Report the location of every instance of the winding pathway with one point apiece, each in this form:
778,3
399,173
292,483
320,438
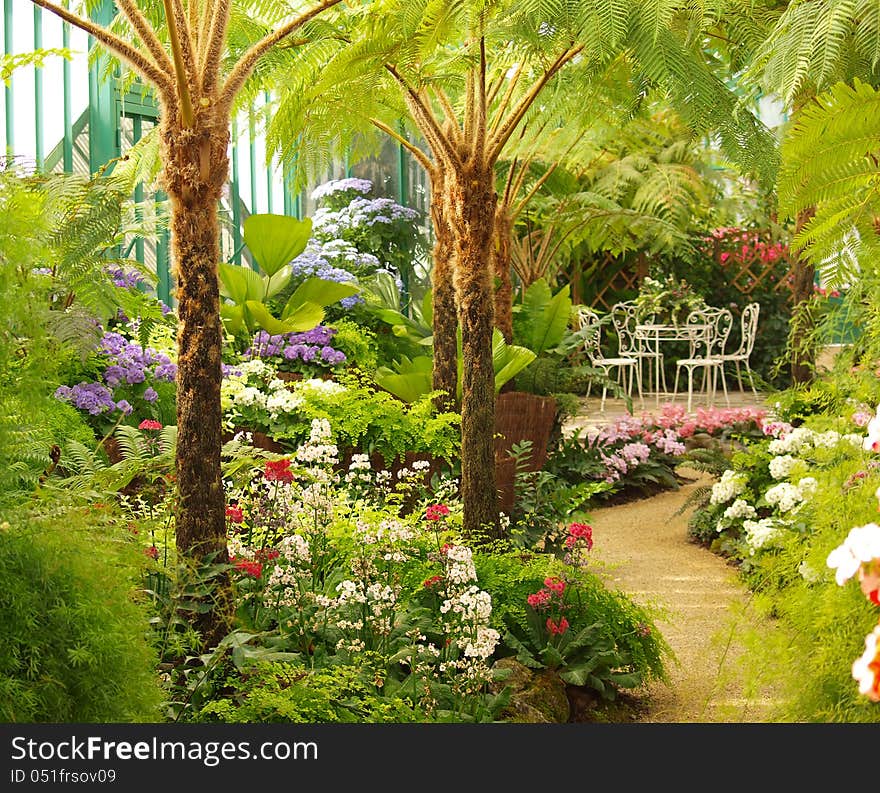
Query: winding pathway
702,610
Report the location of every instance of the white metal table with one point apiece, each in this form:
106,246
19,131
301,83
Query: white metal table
651,336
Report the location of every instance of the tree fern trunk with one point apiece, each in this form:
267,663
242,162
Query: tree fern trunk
471,202
195,170
445,321
501,267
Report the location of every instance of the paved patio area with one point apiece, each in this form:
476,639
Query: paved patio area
589,413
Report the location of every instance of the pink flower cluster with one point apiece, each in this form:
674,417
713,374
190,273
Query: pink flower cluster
579,533
552,595
662,433
777,429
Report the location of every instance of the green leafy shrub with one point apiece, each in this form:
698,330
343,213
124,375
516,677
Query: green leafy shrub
271,692
623,644
75,646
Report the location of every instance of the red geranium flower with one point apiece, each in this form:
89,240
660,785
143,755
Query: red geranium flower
149,424
152,552
234,513
278,471
432,581
266,554
556,585
436,512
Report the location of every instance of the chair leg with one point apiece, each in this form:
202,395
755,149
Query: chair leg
690,387
751,378
718,371
738,374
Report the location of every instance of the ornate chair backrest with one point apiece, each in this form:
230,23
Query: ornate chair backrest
587,319
710,329
749,328
625,316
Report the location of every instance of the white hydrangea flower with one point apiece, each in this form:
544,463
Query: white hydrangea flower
760,533
739,509
785,496
730,485
780,467
808,486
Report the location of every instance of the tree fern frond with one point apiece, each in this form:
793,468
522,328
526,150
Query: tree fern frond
831,161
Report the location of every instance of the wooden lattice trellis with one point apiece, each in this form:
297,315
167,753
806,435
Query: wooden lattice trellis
609,278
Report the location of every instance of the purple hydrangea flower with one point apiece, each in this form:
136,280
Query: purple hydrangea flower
150,394
124,406
363,186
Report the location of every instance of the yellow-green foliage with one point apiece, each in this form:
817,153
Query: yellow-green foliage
278,692
75,645
827,623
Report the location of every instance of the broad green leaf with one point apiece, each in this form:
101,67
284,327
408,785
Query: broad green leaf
275,284
240,283
321,292
275,239
408,387
516,359
302,317
263,317
233,318
410,380
542,322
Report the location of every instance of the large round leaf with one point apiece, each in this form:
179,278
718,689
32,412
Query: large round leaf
274,240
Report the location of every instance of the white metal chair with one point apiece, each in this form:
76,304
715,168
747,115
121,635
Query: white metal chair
625,316
749,325
711,327
589,319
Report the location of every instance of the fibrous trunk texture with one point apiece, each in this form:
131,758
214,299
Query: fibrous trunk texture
501,266
195,170
471,202
445,319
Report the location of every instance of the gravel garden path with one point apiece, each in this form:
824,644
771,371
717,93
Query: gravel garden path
702,610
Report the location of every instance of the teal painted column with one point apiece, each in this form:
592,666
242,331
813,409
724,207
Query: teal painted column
104,144
402,196
163,261
38,91
8,97
252,158
67,146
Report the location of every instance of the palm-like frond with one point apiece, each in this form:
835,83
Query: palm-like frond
831,161
817,43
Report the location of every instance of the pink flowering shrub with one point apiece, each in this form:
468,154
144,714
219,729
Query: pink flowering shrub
640,453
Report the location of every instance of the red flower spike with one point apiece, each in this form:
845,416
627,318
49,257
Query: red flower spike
149,424
253,569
